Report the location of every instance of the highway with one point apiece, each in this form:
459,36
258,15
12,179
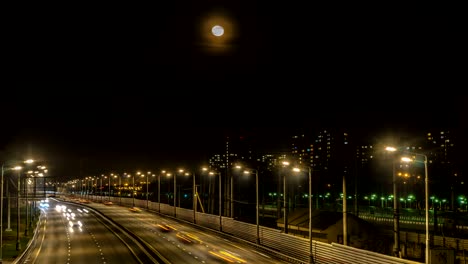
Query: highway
71,234
75,233
182,243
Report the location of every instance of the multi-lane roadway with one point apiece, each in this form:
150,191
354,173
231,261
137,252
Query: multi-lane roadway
78,233
70,233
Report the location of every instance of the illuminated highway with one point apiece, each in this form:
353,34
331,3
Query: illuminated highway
181,243
71,234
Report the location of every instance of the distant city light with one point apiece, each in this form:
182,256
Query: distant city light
217,30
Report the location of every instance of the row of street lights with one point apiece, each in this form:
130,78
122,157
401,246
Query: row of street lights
255,171
18,169
246,171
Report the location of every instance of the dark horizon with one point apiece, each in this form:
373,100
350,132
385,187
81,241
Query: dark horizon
101,137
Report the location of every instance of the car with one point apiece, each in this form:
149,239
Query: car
165,227
226,256
135,209
188,238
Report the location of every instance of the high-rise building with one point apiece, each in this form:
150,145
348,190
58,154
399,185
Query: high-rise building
444,174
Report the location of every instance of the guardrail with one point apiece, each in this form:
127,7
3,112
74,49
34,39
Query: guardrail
294,249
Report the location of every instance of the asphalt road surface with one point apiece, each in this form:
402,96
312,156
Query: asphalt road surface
71,234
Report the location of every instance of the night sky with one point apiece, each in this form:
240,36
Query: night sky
144,86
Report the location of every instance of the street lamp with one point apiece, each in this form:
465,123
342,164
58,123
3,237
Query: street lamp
147,205
175,191
396,215
115,176
109,189
100,185
143,175
120,188
133,188
159,190
18,244
310,212
248,171
426,191
285,200
26,228
219,198
426,194
147,192
194,199
18,168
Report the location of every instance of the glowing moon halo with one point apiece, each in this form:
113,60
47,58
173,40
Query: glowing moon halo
217,30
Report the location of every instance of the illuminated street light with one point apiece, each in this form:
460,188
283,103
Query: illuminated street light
143,175
175,191
1,212
109,189
159,190
100,186
426,194
147,192
285,199
311,259
194,198
120,189
26,230
133,190
249,171
396,213
219,198
18,244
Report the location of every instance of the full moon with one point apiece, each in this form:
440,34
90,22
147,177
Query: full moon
217,30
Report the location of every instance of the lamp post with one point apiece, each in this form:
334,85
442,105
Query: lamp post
257,220
396,213
133,190
86,193
26,228
175,191
90,186
248,171
311,259
109,189
33,215
231,186
147,193
219,198
147,206
18,168
143,175
426,195
285,200
194,198
115,176
102,188
18,242
120,189
1,219
159,191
